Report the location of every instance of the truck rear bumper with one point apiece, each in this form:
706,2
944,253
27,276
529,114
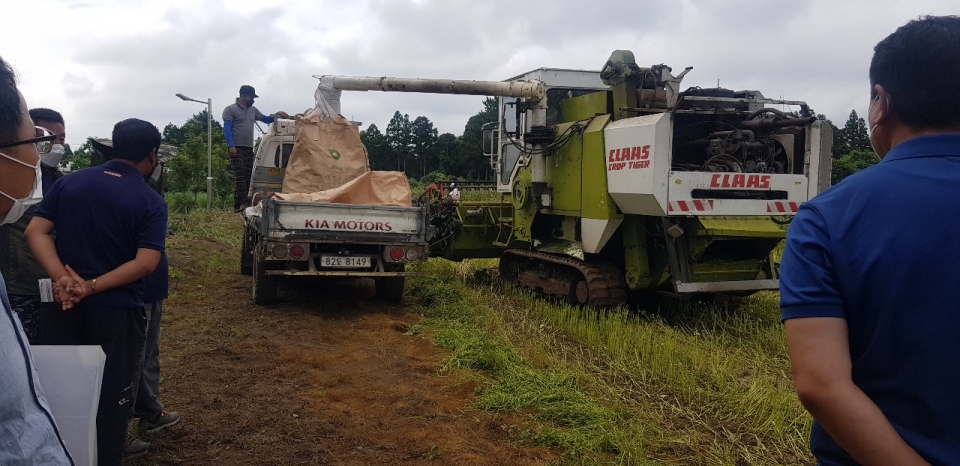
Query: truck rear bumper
339,273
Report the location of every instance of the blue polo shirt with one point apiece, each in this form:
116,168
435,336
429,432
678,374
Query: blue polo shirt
881,250
103,214
156,285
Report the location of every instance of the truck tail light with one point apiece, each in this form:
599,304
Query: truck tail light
279,251
411,254
297,251
396,254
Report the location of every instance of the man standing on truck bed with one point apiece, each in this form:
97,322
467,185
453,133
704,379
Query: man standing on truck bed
238,120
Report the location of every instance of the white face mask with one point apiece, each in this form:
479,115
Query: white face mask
53,158
21,205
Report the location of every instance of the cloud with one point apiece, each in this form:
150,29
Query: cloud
102,61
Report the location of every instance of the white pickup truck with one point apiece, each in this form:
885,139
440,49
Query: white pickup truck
293,238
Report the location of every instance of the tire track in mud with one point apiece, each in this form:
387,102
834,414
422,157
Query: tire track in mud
326,376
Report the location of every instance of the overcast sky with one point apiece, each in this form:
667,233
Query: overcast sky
100,61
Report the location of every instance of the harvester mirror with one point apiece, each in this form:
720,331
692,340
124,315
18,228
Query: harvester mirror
511,119
487,142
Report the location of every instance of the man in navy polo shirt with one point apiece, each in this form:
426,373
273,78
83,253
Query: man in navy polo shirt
117,227
870,277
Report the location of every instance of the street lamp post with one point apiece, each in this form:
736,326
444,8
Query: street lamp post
209,103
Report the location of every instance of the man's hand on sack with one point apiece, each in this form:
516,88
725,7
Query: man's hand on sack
232,151
283,114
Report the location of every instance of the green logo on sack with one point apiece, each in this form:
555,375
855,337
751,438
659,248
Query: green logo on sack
334,154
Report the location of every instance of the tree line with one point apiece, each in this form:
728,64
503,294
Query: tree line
415,148
852,151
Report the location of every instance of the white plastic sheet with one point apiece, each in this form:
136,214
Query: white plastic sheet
71,377
328,101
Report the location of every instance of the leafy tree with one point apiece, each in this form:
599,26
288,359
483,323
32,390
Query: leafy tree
851,163
80,158
475,165
852,137
378,149
435,176
446,152
423,136
187,172
400,139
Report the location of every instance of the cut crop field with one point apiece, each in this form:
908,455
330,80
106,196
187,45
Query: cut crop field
464,371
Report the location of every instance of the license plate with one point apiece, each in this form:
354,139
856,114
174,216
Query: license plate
349,262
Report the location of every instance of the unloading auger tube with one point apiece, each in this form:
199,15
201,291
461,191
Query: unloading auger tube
532,90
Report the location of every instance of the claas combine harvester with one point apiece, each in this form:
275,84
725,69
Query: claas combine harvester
618,182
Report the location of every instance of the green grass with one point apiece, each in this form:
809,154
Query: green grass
184,202
698,384
222,230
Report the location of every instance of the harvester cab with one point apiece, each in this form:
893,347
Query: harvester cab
618,181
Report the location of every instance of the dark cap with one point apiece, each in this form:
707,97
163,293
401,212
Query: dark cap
248,90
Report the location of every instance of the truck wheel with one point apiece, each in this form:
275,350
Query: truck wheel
246,253
390,289
264,286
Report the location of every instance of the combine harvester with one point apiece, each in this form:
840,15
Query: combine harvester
617,182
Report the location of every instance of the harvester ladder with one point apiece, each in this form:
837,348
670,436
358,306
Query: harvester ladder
504,225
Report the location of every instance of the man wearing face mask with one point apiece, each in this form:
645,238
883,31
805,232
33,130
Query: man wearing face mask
19,267
117,228
50,162
238,121
28,432
868,278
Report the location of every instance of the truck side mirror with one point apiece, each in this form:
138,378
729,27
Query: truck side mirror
487,142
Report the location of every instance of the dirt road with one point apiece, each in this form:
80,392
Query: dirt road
328,376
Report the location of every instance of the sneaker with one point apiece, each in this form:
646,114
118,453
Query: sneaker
134,446
166,419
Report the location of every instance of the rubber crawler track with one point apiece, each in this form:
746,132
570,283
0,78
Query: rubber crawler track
605,283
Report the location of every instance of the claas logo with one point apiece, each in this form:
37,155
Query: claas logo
719,180
334,154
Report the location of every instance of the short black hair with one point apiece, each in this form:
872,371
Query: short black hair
133,139
919,65
11,116
45,114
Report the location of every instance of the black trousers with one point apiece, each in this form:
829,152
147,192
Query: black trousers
121,334
242,167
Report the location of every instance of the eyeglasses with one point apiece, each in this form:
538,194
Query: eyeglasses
43,140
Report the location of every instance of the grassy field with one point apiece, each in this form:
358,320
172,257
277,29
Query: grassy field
695,384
